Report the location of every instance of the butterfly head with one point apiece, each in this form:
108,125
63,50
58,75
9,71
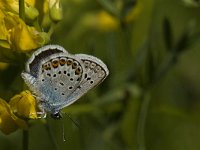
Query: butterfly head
56,115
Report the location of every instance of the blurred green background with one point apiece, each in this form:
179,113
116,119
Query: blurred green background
151,99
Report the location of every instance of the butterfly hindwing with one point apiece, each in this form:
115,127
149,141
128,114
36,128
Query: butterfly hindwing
94,73
59,76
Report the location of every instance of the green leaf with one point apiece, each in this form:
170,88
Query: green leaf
168,37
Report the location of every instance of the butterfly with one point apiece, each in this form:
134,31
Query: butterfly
58,78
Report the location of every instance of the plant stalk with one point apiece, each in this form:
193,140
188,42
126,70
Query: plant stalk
25,140
21,9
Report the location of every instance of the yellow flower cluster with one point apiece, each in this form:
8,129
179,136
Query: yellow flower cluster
104,21
22,29
24,35
14,115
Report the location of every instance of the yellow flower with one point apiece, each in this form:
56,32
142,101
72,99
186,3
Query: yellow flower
24,105
3,66
29,39
13,6
17,112
102,21
8,121
3,32
15,34
106,21
20,36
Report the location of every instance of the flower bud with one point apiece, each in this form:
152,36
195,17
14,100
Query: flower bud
55,10
31,12
24,105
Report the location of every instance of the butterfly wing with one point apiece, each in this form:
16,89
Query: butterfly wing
58,76
58,79
94,73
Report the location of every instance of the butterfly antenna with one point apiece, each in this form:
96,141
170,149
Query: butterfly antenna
76,123
63,132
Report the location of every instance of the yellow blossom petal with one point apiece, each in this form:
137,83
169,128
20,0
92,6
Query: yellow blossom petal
106,21
24,105
13,6
10,5
23,37
102,21
3,65
8,121
27,40
4,32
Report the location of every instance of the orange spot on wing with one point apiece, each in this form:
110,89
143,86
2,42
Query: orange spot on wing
55,63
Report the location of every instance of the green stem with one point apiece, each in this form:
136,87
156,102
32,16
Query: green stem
51,30
21,9
52,138
142,121
25,140
170,61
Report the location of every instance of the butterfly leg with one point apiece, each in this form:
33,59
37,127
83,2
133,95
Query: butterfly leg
28,78
40,114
